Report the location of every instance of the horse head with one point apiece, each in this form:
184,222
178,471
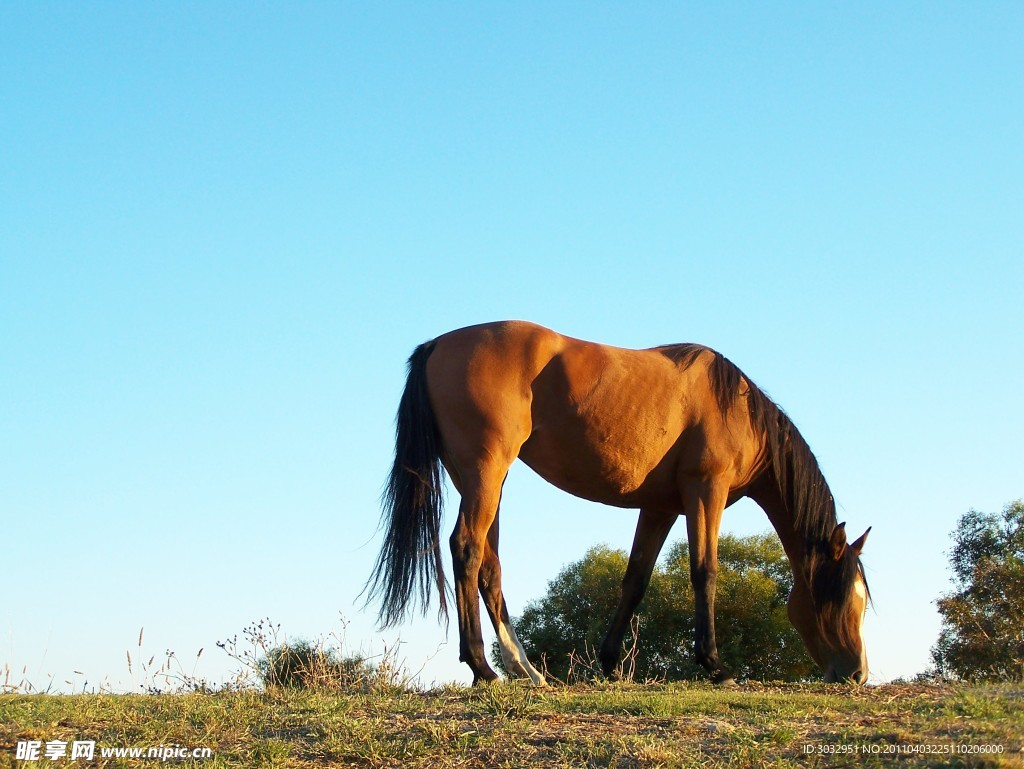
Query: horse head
828,608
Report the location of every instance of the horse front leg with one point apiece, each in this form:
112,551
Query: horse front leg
651,531
704,506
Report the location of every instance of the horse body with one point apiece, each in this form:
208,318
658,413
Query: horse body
674,430
619,427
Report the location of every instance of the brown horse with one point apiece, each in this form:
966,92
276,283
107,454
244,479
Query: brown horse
670,430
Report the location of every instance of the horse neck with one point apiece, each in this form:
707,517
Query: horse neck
766,494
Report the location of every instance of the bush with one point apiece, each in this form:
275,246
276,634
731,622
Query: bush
562,631
301,665
982,636
269,661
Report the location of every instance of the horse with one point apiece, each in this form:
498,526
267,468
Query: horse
672,430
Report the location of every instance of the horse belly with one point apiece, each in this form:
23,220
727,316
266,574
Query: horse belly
624,471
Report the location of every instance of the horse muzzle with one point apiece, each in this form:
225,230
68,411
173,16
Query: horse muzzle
856,674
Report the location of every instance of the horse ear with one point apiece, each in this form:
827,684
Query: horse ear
837,542
858,546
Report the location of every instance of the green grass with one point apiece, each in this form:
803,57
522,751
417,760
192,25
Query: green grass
513,725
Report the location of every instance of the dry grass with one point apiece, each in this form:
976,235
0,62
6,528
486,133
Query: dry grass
512,725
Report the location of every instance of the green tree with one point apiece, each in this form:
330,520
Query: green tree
564,629
982,634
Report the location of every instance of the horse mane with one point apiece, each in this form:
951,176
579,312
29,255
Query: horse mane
793,466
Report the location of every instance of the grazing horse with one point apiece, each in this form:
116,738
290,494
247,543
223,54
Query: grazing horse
674,430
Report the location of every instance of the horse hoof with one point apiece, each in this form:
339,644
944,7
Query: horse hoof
723,679
483,680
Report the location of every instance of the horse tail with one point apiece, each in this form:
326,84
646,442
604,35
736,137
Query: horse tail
409,564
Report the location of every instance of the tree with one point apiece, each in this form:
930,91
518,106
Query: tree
982,634
565,627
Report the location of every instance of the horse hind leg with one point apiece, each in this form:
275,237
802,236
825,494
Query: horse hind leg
468,542
512,652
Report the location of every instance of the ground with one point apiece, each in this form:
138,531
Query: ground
513,725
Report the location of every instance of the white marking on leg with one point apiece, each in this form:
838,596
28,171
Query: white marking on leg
514,656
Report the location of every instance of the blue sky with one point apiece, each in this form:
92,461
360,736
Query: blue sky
224,226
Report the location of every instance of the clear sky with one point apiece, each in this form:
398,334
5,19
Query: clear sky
224,226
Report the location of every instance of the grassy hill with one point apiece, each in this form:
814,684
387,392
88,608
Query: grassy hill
509,724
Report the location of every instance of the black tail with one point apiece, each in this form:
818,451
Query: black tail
410,558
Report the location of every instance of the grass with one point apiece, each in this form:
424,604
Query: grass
514,725
303,705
